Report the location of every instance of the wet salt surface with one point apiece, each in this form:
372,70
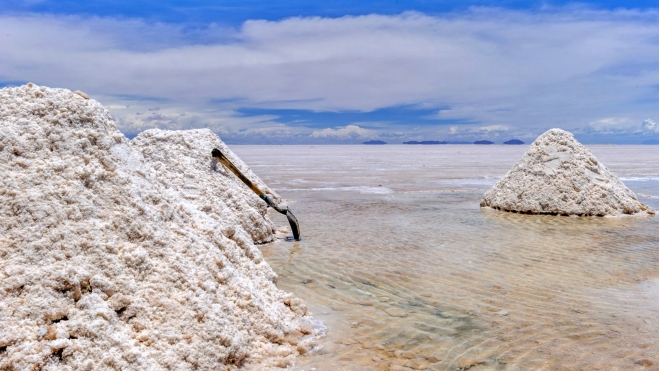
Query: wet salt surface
419,277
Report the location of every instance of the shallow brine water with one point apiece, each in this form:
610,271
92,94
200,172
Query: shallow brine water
407,272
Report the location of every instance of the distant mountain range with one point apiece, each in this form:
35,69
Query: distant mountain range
651,141
375,142
483,142
514,141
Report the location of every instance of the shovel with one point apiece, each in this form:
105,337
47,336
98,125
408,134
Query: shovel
295,226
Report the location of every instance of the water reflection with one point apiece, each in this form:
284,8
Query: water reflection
422,278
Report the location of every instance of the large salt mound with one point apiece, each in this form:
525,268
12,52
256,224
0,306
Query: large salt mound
105,264
558,175
182,160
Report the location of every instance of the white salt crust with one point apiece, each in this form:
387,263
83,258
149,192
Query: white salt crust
111,259
182,160
558,175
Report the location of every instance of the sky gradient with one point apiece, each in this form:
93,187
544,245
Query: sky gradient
345,71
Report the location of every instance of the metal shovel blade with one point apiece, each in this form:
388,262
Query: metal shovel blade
295,226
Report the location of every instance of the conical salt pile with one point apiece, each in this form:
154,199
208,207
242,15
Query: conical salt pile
107,262
558,175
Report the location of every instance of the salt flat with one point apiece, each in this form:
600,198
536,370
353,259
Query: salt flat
419,276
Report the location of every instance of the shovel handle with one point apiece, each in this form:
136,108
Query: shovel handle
295,226
272,204
225,161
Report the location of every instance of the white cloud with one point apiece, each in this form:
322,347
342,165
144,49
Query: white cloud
489,131
620,126
350,131
612,125
496,68
494,128
650,126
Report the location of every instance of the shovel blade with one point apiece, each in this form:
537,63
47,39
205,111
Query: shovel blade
295,226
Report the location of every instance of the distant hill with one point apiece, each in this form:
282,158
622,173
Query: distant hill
458,142
375,142
483,142
514,141
651,141
425,142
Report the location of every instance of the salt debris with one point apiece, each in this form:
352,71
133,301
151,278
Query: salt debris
133,256
558,175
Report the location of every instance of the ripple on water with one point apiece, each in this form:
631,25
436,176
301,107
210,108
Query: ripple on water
424,279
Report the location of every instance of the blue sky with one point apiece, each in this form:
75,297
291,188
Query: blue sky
349,71
234,13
